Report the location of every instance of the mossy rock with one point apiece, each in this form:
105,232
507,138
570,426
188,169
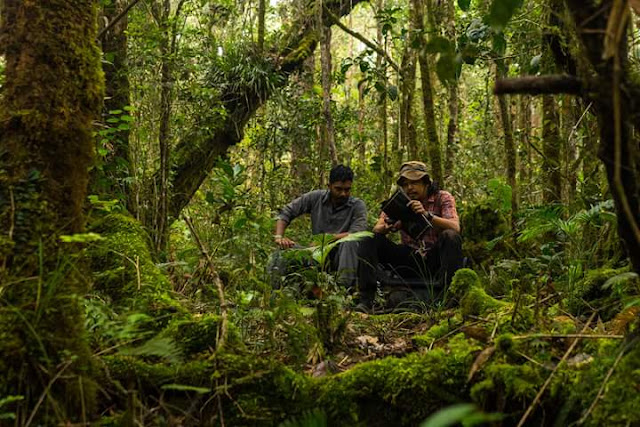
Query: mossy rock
124,269
468,290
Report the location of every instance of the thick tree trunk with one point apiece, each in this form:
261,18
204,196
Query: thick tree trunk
433,143
615,109
51,96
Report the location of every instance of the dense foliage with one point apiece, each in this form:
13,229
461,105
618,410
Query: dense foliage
135,287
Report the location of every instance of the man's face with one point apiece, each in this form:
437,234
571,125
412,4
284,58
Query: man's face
340,192
415,189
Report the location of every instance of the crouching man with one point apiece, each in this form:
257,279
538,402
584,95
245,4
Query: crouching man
438,252
333,211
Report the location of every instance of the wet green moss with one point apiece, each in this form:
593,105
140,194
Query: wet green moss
124,269
468,290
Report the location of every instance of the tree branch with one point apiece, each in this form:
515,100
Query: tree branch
539,85
333,18
117,18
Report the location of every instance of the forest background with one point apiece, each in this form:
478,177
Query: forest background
146,146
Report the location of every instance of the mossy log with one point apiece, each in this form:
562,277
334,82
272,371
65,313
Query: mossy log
393,391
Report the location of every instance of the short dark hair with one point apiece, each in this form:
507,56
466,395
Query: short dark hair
340,173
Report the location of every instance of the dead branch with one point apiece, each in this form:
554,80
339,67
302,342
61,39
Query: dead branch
539,85
333,18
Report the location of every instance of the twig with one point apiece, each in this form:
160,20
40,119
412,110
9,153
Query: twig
581,335
604,383
222,336
117,18
333,18
555,369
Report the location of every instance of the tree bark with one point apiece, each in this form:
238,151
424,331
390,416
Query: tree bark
328,130
510,155
433,143
261,15
552,177
381,65
51,96
407,88
452,102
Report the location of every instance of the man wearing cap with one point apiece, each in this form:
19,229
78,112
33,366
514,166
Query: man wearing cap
333,211
437,253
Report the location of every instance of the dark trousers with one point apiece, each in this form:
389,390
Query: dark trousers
440,263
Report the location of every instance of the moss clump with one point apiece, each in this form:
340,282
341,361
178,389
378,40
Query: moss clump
467,288
124,269
481,224
590,288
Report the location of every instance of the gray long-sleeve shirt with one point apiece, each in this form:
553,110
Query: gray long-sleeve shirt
349,217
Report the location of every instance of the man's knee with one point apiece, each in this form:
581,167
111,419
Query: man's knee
451,236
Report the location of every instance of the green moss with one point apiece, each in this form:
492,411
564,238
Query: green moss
467,288
589,287
200,334
385,392
124,269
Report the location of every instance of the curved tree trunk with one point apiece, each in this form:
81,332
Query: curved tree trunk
195,159
51,96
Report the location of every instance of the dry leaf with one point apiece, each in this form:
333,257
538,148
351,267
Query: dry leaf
476,332
481,359
621,321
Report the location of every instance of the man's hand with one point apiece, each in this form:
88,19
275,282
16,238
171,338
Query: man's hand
384,227
284,242
417,207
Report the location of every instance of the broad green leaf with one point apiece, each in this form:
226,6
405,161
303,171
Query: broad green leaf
439,45
81,238
450,415
392,92
501,12
464,4
446,68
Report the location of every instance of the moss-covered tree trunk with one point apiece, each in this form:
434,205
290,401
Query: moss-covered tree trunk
433,143
52,93
510,154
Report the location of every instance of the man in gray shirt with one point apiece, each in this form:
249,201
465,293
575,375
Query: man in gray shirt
333,211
